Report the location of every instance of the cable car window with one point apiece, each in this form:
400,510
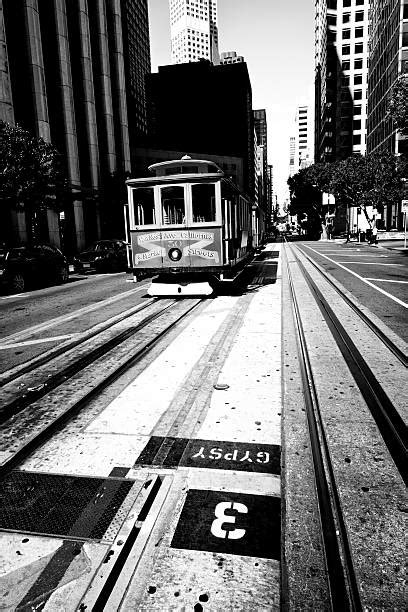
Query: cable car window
173,207
203,202
143,203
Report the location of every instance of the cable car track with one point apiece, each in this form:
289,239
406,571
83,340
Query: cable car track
11,375
399,354
389,421
16,408
340,570
343,582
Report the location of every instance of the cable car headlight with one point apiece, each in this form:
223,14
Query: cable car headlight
174,254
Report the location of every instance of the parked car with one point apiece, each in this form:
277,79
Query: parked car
30,265
103,256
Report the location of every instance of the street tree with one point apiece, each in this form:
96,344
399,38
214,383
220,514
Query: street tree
398,104
369,181
306,200
32,176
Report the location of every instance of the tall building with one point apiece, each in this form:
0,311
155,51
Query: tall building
341,69
209,111
231,57
293,168
388,62
260,126
71,70
194,31
301,144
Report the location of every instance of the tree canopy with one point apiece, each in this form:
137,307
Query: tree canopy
398,104
371,180
31,170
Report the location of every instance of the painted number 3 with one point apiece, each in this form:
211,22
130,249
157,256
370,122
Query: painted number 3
217,528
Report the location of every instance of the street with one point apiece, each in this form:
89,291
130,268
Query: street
158,454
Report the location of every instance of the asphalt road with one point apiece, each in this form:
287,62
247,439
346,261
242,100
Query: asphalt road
376,275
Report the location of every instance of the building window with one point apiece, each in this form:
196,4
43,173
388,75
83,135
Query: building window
358,64
345,65
357,109
357,124
358,94
359,2
358,48
332,4
345,50
346,34
405,35
358,32
346,17
358,79
345,80
357,139
346,3
360,16
331,20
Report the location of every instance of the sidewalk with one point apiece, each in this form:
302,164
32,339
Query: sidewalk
394,245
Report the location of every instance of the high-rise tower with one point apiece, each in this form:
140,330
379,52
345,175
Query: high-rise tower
194,31
388,62
341,60
72,73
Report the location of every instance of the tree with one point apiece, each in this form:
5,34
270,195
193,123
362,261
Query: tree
398,105
306,200
373,180
31,171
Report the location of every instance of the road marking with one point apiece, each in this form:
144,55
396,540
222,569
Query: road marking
64,318
368,263
40,341
362,255
386,280
15,295
337,263
229,522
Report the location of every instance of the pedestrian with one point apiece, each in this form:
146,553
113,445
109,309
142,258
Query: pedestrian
329,229
374,233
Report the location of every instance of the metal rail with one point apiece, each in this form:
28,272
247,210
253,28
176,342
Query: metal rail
343,586
403,357
11,375
389,421
17,405
71,411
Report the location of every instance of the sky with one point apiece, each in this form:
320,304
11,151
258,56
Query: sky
276,38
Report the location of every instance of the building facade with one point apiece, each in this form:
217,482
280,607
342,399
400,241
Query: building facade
209,111
388,62
341,71
301,145
72,69
194,31
231,57
261,133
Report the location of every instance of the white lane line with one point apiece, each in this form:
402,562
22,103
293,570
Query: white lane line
15,295
392,297
386,280
368,263
28,342
63,318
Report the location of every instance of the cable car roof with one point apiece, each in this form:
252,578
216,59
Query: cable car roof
185,165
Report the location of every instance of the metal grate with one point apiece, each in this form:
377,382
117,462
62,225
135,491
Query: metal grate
67,506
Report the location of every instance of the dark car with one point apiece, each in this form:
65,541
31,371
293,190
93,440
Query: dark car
103,256
31,265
